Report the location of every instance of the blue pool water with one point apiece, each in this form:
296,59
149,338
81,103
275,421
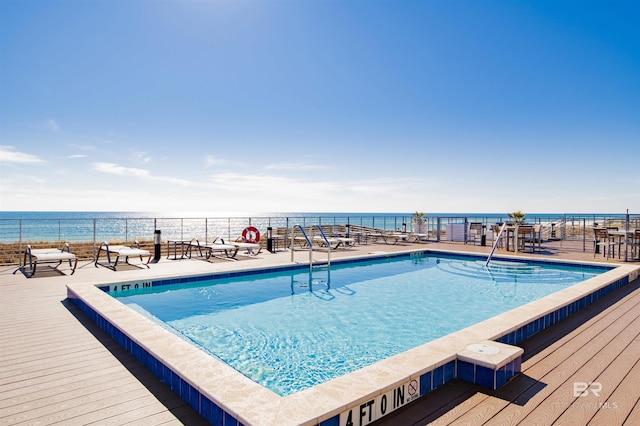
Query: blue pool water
293,329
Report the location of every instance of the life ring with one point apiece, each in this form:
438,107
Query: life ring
250,234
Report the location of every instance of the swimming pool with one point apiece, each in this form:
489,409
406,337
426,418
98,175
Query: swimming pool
224,396
293,329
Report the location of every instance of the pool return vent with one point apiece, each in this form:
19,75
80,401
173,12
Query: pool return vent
310,245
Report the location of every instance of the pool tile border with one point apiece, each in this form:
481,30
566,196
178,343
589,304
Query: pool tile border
431,365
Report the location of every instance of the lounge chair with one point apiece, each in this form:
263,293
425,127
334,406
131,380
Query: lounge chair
115,252
249,240
334,242
47,255
393,237
252,248
415,237
207,250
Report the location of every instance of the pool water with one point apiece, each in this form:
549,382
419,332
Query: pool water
293,329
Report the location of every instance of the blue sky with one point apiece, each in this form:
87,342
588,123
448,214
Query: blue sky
341,106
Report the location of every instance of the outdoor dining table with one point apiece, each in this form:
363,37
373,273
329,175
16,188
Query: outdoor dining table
623,238
511,233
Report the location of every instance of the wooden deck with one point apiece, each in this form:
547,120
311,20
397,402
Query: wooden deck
57,367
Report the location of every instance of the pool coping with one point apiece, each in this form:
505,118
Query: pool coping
218,392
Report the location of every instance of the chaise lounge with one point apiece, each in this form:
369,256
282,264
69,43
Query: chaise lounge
334,242
115,252
208,250
47,255
252,248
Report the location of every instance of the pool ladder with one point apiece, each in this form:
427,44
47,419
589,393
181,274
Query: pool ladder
310,245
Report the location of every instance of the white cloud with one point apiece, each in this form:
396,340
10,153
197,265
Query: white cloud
297,166
83,147
78,156
210,160
266,184
115,169
142,156
52,125
8,154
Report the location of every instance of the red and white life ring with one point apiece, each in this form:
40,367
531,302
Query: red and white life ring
250,234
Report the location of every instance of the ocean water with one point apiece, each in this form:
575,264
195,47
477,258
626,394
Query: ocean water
128,226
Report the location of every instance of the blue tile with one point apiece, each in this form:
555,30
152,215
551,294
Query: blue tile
175,382
333,421
166,375
508,371
466,371
438,377
449,371
194,398
501,377
229,420
183,392
158,369
517,365
206,409
485,376
217,414
425,383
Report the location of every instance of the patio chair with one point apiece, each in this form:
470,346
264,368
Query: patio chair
526,237
635,244
535,238
603,242
113,254
474,234
47,255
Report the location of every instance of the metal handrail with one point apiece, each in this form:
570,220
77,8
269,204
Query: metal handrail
310,244
326,241
306,237
495,243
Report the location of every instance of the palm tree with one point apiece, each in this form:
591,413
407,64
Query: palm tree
517,217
